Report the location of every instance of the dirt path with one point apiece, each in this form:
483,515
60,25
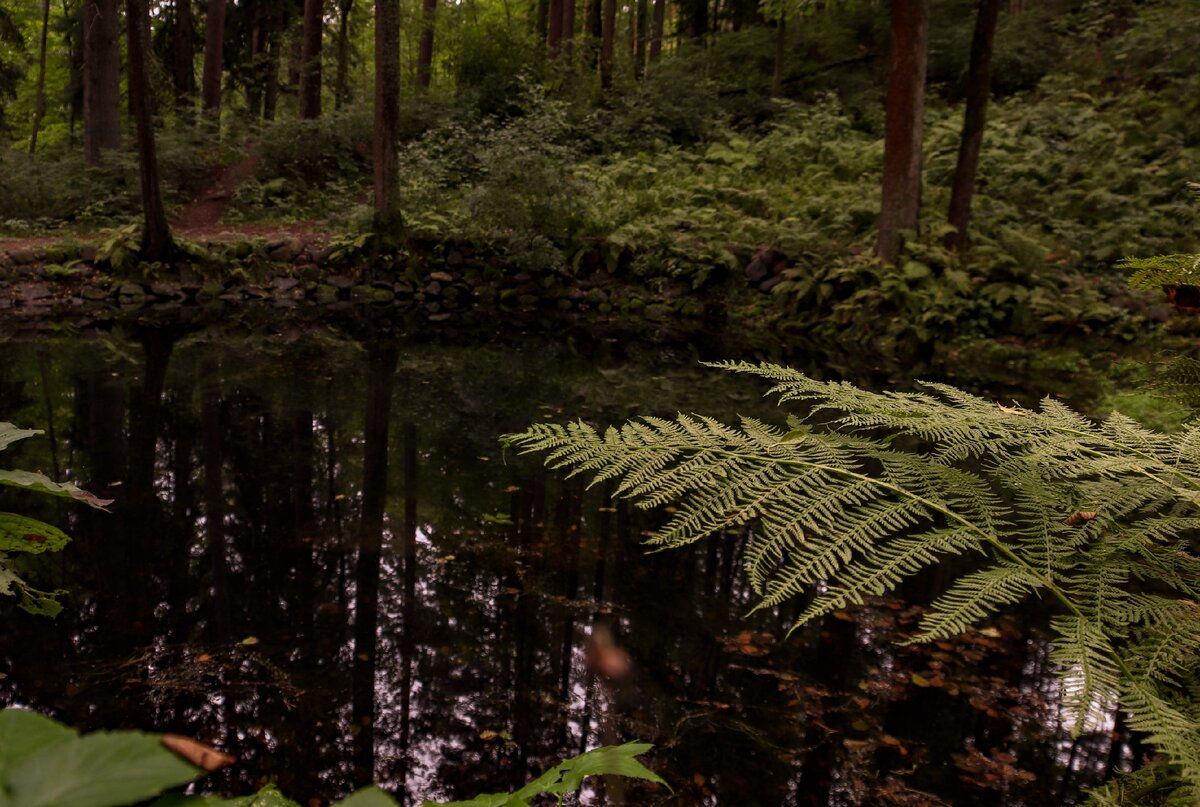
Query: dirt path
199,219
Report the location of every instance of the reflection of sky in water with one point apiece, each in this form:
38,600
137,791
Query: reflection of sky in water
492,658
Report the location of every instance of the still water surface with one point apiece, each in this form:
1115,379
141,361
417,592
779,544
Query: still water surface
321,560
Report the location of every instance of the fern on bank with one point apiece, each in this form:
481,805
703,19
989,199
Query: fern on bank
870,488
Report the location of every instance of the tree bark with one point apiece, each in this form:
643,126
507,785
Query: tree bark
340,84
387,112
979,90
594,26
184,71
425,49
656,30
271,91
780,53
554,28
214,40
606,44
39,106
643,33
568,29
310,60
156,240
900,207
101,78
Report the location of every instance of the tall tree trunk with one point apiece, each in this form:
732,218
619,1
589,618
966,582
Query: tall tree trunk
595,31
156,240
214,39
387,112
271,91
780,53
695,18
568,29
656,30
979,90
340,84
39,107
425,50
643,33
101,78
184,71
255,84
310,58
554,29
606,44
901,197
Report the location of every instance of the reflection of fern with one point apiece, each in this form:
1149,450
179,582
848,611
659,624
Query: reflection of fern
1163,270
1095,516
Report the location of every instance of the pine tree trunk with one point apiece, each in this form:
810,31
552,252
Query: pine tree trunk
156,240
39,104
606,44
979,90
271,91
656,30
901,197
310,60
568,29
643,33
101,78
256,82
387,112
595,31
780,53
185,58
554,27
340,85
425,49
214,42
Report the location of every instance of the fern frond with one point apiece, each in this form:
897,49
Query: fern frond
1162,270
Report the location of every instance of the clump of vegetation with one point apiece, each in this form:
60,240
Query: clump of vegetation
868,489
22,538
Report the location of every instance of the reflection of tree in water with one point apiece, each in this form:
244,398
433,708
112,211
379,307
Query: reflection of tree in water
328,500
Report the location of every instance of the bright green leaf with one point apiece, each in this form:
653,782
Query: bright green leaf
44,484
24,534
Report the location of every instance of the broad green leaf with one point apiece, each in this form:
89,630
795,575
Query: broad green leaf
10,434
24,534
24,735
105,769
618,760
44,484
367,797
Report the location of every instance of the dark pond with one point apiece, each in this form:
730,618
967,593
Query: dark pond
321,561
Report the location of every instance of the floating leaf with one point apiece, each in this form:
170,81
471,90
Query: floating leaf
24,534
44,484
197,753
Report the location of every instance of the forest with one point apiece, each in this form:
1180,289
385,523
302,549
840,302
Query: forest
600,402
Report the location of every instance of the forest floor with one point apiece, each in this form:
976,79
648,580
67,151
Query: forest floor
200,219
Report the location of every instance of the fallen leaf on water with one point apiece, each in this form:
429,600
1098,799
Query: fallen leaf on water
250,640
488,735
197,753
920,680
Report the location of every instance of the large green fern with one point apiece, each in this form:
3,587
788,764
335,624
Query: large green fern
870,488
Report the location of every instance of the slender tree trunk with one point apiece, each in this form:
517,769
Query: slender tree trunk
606,44
643,33
340,85
387,112
156,240
101,78
695,18
979,90
214,41
310,60
255,85
901,197
595,31
656,30
425,49
568,29
185,58
543,18
39,108
271,91
780,53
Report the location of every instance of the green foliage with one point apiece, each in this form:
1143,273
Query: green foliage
46,764
1163,270
24,536
567,777
868,489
